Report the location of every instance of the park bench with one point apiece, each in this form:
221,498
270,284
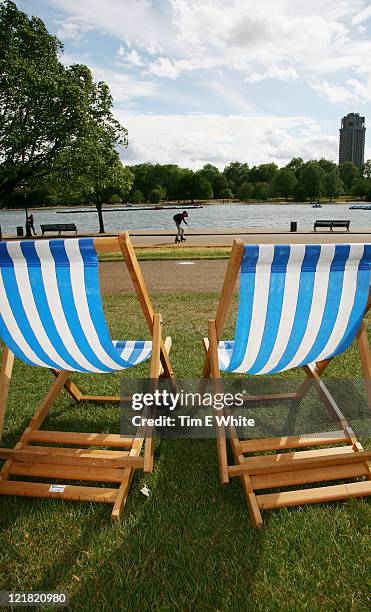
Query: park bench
58,227
332,223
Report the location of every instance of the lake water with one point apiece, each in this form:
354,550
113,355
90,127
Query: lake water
210,216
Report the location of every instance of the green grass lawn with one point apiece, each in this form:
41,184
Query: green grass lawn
190,546
173,252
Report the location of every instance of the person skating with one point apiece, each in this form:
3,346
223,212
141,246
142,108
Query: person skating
30,221
178,219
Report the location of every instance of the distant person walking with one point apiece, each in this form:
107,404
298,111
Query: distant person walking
179,219
30,220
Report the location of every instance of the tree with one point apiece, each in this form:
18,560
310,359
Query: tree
226,194
137,197
263,173
156,195
261,190
296,165
245,191
312,176
366,170
236,173
361,187
101,172
284,183
216,179
348,172
194,185
332,183
47,110
327,165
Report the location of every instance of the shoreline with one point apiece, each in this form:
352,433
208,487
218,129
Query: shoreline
185,205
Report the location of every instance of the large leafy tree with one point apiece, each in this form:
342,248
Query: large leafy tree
332,183
312,177
47,111
348,173
101,172
284,183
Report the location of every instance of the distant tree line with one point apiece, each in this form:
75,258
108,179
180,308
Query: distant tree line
298,180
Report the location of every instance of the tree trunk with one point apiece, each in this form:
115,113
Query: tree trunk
100,217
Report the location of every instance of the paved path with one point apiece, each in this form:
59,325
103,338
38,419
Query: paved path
225,236
203,275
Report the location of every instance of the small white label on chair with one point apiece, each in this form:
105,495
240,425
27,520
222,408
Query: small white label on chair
57,488
145,490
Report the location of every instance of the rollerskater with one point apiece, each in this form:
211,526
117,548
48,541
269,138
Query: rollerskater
178,219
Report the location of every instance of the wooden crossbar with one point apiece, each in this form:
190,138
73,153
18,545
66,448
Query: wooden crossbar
265,465
286,479
313,495
71,456
71,492
316,439
66,472
83,439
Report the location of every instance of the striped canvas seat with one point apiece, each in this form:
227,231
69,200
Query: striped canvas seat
51,311
298,304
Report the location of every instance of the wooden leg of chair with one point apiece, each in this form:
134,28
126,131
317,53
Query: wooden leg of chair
124,487
38,417
5,376
156,368
364,353
221,441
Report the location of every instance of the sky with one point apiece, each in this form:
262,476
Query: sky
215,81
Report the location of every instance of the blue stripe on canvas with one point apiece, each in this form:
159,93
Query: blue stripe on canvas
247,289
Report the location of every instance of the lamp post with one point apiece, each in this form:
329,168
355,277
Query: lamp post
28,229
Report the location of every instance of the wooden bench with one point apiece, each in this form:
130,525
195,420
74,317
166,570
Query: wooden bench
58,227
331,224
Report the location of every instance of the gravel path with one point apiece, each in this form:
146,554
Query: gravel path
165,276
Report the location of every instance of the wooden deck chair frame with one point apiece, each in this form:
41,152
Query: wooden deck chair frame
258,472
86,462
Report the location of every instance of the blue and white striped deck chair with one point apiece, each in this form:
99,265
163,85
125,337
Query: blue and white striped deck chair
299,307
51,315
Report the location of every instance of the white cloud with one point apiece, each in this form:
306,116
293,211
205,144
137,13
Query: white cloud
362,15
195,139
281,73
337,94
164,67
73,29
123,86
131,59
